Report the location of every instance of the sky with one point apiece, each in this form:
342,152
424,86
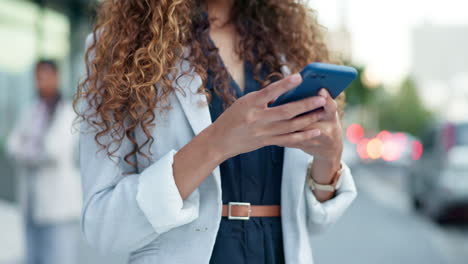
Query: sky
381,29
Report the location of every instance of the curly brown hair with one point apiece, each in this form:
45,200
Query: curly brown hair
140,42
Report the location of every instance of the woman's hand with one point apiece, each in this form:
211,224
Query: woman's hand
249,123
328,146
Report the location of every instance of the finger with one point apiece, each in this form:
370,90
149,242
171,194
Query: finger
294,138
293,109
296,124
309,144
274,90
330,106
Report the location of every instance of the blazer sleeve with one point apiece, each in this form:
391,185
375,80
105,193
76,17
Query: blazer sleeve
124,212
322,215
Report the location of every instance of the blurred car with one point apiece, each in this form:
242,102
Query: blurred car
438,182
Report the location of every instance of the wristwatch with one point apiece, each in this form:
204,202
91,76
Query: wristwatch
333,186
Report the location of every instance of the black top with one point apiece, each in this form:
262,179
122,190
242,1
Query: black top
253,177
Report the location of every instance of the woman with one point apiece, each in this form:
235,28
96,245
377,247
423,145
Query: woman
49,184
176,127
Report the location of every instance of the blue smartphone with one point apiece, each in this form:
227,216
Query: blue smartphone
334,78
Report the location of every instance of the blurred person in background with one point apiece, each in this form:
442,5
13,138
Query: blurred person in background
44,150
155,156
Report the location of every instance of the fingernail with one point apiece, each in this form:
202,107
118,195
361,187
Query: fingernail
321,101
323,92
295,78
315,133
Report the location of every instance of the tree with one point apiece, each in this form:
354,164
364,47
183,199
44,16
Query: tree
358,93
403,112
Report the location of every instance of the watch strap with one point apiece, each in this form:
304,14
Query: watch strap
333,186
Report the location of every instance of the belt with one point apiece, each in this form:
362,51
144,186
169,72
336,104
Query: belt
243,211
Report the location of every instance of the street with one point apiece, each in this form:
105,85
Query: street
380,227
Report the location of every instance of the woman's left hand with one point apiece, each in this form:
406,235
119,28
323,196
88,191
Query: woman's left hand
328,146
325,148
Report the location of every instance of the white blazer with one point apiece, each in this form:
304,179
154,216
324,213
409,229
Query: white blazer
56,188
143,213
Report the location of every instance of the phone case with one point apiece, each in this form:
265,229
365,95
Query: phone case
334,78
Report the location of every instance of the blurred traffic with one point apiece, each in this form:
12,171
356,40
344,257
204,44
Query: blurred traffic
435,167
405,126
438,183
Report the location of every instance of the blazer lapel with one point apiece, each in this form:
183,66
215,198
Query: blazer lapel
194,105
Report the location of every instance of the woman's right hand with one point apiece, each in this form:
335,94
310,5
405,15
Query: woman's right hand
249,124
